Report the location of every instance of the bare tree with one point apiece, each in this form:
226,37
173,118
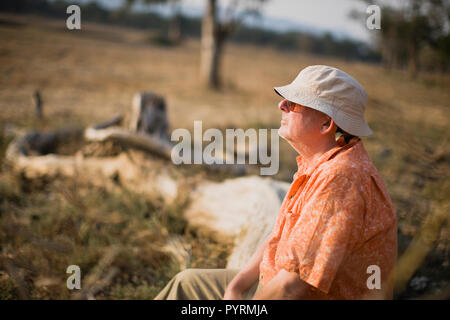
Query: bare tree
404,32
216,32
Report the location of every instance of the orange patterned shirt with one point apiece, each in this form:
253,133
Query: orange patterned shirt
335,221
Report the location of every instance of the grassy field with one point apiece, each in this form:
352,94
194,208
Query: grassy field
87,76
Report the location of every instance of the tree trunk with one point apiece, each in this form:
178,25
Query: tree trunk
386,54
210,47
413,60
174,32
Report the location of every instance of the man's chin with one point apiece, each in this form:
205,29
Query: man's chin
281,133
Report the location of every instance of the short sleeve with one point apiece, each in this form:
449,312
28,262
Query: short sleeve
325,232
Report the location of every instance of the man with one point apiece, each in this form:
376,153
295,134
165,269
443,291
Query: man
335,236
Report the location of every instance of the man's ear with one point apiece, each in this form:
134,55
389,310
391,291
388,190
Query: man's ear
327,125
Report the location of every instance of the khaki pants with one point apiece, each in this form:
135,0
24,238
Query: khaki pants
202,284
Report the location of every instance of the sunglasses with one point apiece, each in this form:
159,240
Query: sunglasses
292,106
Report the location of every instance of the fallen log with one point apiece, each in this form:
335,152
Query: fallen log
154,145
41,143
148,176
243,209
132,139
117,119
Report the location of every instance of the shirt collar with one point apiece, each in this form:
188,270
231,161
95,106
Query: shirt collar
302,170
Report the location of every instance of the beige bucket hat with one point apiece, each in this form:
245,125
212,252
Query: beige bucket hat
333,92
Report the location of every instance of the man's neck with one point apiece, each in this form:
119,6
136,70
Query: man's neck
311,152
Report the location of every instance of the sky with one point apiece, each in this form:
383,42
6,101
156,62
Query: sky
316,16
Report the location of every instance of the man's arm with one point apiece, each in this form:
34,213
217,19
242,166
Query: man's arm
247,276
284,286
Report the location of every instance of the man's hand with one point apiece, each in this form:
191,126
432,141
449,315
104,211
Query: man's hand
284,286
247,276
232,293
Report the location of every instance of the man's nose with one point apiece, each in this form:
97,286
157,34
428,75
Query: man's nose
283,106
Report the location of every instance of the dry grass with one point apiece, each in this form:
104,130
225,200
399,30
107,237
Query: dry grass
87,76
65,223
